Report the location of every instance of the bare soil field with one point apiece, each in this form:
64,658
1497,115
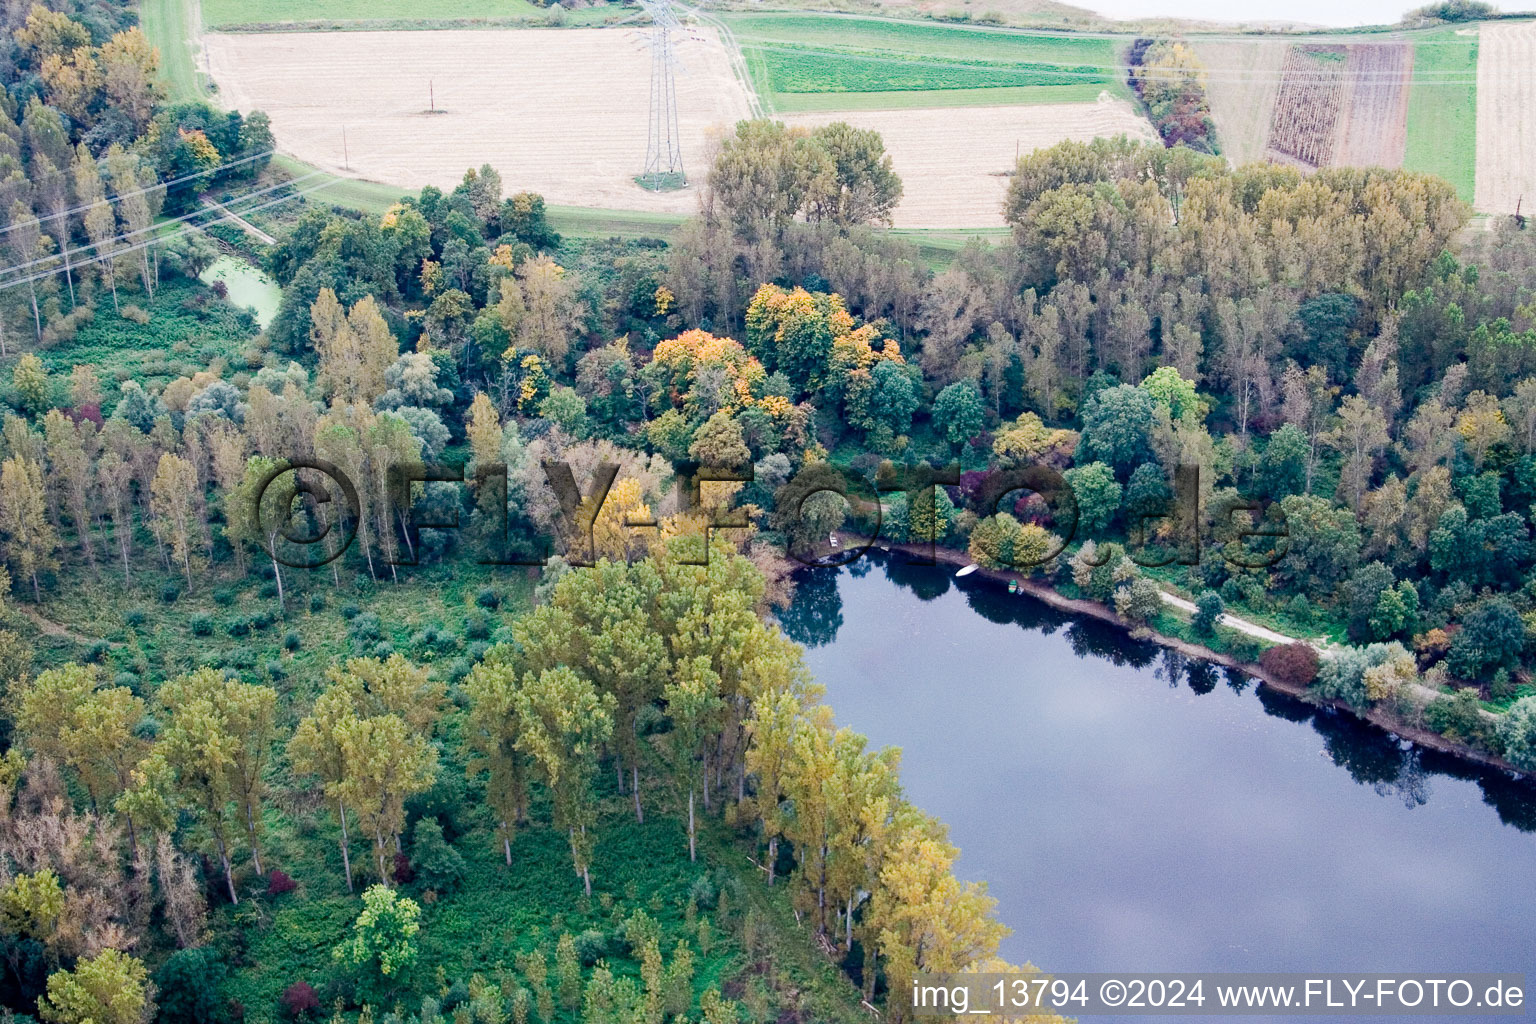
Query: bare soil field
1304,128
1506,118
954,162
562,112
1243,79
1374,127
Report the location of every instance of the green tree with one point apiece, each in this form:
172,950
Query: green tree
692,700
565,724
566,409
30,904
66,714
189,988
1323,547
491,736
383,945
1282,468
30,379
1172,391
108,988
670,435
1098,497
862,187
719,443
1117,429
959,413
1517,730
31,542
1209,608
1491,636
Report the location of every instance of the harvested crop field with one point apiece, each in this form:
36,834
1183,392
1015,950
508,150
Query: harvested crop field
1506,118
1343,106
954,163
562,112
1242,82
1304,127
1374,128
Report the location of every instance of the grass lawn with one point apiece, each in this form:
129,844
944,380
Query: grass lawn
808,62
1442,109
225,13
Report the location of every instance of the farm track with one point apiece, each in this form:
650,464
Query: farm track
1506,118
1374,128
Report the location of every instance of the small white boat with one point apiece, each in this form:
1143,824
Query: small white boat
966,571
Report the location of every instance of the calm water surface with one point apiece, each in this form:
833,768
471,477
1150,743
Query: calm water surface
1131,810
247,287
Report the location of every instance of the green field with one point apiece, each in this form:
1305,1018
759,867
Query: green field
225,13
1442,109
803,62
169,26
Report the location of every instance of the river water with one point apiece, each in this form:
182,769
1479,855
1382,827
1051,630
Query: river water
1131,810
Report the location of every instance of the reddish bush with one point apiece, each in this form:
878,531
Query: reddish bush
1295,664
279,882
300,999
403,871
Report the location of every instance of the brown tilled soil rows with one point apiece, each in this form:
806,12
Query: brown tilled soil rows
1243,79
1374,127
1305,125
1506,118
954,163
559,111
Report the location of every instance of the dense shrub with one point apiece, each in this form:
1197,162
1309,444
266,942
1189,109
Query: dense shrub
188,988
592,945
201,624
169,592
1461,718
1294,664
437,865
1517,731
279,882
292,640
488,598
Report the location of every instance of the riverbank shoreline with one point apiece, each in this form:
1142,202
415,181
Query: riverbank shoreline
1047,594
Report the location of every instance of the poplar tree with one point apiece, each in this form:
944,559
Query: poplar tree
565,723
67,715
386,763
315,750
173,502
30,540
492,735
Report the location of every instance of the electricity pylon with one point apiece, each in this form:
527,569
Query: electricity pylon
663,151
